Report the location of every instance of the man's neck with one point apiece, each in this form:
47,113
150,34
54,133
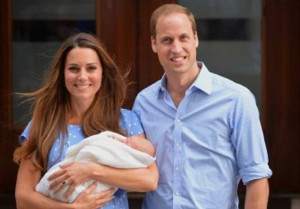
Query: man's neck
177,85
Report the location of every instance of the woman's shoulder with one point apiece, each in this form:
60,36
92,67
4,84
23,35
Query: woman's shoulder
24,135
129,121
126,113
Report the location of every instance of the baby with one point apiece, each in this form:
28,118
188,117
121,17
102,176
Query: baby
107,148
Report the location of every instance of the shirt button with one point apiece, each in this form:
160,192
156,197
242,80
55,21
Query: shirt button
177,144
177,168
178,120
177,193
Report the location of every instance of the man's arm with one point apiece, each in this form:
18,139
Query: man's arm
257,194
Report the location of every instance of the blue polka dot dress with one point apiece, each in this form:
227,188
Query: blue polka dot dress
128,121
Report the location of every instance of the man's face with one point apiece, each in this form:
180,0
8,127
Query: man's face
175,43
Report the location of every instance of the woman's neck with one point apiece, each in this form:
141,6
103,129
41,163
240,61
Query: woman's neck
76,113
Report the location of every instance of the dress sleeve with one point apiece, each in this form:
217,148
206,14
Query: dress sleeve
130,123
25,133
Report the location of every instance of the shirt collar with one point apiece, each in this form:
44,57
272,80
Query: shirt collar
202,82
162,85
204,79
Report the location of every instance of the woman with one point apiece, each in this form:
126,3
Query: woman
81,97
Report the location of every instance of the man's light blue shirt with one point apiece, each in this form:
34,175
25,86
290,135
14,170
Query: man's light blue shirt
206,145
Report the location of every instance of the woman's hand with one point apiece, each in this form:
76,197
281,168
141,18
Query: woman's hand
27,197
89,200
71,174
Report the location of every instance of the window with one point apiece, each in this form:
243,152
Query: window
39,27
230,39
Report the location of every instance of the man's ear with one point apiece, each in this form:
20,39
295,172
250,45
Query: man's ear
153,44
196,38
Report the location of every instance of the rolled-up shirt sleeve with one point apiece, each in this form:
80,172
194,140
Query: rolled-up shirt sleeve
248,139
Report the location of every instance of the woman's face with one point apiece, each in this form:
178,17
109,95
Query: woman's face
83,74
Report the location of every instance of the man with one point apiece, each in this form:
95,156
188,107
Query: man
205,128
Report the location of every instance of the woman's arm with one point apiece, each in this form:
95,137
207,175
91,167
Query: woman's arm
140,179
135,179
27,197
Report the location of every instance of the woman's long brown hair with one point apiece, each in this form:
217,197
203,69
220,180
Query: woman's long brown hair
51,103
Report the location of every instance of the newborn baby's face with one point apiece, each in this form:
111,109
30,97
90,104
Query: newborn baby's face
124,141
142,144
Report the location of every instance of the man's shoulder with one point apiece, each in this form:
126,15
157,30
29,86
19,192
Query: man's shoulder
222,83
151,90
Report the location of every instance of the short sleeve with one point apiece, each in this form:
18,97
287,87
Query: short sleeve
130,123
24,135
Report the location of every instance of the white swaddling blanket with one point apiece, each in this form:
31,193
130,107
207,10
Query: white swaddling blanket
101,148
